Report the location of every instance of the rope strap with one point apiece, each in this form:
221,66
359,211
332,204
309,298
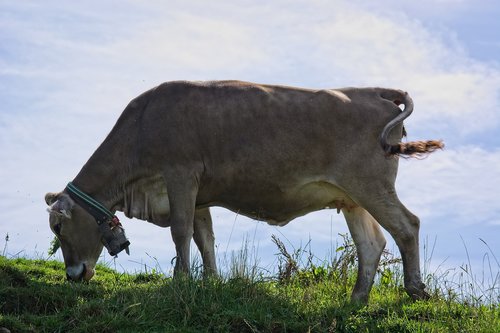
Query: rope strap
93,207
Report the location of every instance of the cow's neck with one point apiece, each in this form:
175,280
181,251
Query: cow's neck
103,177
120,187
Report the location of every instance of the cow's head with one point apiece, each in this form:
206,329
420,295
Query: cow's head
78,234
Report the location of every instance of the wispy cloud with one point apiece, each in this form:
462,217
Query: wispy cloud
458,186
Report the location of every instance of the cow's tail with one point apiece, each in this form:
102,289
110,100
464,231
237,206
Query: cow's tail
412,148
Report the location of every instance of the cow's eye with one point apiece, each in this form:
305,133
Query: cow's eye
57,228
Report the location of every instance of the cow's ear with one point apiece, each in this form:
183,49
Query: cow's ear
60,204
50,198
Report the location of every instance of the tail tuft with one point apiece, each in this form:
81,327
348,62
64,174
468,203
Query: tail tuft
417,149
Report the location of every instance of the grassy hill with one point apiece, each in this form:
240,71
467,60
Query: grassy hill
35,297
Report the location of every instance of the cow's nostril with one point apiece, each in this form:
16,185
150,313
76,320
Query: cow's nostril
75,273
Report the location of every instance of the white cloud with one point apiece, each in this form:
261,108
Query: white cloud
458,186
346,45
446,85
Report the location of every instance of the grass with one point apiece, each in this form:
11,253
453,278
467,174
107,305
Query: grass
302,297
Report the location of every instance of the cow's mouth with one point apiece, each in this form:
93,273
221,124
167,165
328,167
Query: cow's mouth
86,274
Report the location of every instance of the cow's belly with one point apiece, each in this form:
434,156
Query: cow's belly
281,206
277,205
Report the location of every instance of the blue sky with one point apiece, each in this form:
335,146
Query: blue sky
68,69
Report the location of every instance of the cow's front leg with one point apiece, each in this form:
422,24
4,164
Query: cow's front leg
182,198
204,239
181,235
370,243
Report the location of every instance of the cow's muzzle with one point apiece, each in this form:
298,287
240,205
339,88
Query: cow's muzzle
79,273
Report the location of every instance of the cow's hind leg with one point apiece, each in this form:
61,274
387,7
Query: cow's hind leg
204,239
370,243
383,204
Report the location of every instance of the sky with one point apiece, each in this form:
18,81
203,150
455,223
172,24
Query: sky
68,69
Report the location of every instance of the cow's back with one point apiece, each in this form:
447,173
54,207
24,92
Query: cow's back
232,121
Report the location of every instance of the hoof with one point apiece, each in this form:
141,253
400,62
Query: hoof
359,299
417,293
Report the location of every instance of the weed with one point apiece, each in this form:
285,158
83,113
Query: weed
55,244
5,246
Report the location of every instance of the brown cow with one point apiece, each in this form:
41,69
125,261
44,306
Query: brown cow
268,152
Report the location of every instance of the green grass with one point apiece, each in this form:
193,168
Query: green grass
35,297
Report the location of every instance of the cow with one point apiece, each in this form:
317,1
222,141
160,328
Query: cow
269,152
